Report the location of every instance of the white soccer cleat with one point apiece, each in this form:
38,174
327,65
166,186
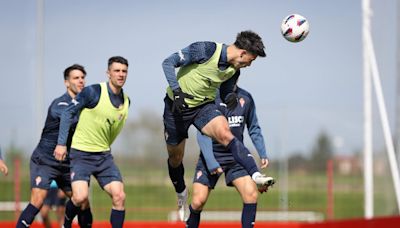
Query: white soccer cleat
263,181
183,208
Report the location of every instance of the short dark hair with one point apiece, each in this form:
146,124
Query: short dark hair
251,42
117,59
71,68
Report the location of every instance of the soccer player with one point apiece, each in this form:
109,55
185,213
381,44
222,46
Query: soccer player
43,166
204,67
102,110
235,175
55,198
3,166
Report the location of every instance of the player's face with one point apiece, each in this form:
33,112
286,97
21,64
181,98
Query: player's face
117,73
75,82
244,60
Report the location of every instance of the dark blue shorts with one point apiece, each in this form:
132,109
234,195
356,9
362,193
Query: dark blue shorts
232,172
42,174
99,164
52,198
176,124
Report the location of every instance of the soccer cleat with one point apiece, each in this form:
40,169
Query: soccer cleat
183,208
263,181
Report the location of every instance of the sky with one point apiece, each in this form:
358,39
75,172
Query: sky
300,89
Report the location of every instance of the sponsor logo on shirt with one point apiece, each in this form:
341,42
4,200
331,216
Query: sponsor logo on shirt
235,121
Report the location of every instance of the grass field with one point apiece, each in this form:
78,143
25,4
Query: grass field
150,195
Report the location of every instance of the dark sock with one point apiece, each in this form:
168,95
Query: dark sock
241,155
194,218
27,216
117,218
85,218
249,215
70,212
177,177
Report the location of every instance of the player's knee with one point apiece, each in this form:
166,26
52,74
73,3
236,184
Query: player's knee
198,203
224,136
37,200
79,199
175,159
250,197
119,198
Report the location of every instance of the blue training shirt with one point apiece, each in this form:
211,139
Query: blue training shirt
88,98
48,139
198,52
243,114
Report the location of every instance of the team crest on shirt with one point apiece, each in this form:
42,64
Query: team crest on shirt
38,180
198,174
242,101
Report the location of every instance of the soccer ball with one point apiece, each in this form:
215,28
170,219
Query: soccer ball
295,28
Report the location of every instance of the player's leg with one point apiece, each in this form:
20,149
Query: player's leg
109,178
203,182
44,213
212,123
81,168
175,132
80,196
48,202
39,184
116,191
249,194
199,199
60,206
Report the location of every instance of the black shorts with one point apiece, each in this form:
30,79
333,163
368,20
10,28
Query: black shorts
176,124
42,174
99,164
232,171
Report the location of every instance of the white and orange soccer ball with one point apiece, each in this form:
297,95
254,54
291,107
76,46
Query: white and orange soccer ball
295,28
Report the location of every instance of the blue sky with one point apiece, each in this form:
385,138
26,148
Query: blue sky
300,89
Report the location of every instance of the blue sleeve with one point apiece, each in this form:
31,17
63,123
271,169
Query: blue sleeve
228,86
87,98
254,130
1,154
198,52
206,149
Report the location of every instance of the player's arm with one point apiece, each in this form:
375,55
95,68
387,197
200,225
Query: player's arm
255,133
198,52
206,149
3,166
87,98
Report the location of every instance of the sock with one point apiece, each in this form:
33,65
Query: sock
85,218
27,216
70,212
194,218
117,218
176,175
249,215
242,155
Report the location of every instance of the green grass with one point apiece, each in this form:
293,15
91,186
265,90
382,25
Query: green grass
150,195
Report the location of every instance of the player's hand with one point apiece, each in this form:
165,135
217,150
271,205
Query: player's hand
179,100
264,163
231,101
3,167
60,152
217,171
